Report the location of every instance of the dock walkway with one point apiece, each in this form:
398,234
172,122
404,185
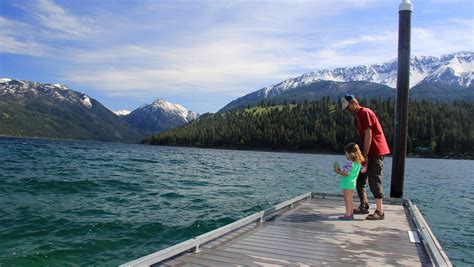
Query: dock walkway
305,231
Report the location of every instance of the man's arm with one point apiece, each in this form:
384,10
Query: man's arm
367,141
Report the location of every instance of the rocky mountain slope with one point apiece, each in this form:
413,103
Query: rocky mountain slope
33,109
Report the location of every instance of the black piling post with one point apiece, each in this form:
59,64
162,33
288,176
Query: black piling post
401,113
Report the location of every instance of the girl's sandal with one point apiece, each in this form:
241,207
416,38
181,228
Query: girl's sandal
346,218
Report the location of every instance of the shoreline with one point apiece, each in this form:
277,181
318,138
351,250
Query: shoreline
226,148
308,152
62,139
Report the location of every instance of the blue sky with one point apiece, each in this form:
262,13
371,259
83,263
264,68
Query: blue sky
204,54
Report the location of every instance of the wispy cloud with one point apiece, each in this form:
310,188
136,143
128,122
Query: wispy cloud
230,47
55,21
48,23
444,37
14,41
370,38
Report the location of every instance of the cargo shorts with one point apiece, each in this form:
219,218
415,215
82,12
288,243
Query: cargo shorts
374,175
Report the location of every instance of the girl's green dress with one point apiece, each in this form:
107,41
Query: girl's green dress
352,169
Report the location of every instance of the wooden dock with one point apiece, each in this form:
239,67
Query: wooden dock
305,231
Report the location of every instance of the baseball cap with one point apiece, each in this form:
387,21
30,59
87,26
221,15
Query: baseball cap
345,101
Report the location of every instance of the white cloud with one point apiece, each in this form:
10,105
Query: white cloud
386,37
444,37
250,48
56,22
238,61
12,41
11,45
33,38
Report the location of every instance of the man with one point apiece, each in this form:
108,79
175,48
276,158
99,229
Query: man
374,148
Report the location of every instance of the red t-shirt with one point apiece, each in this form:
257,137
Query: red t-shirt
364,119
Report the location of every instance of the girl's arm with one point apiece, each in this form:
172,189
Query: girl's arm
341,173
346,170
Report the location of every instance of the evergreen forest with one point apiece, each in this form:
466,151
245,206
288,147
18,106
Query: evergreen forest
435,129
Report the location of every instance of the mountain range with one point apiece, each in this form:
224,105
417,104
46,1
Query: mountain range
33,109
445,77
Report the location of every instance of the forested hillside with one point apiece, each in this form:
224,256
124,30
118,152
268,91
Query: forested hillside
32,109
435,129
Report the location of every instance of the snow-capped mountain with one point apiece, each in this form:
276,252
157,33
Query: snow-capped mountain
22,90
456,69
35,109
159,116
453,69
179,110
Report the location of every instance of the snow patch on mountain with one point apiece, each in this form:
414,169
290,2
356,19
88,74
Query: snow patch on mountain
457,69
122,112
60,86
86,101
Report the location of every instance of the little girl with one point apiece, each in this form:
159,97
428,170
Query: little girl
349,176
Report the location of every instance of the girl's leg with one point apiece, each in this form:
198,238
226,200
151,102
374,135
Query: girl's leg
347,201
351,202
344,196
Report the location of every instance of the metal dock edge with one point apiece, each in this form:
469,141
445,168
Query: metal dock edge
433,252
437,254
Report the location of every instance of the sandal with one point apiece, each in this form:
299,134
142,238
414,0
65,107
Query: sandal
346,217
376,216
360,211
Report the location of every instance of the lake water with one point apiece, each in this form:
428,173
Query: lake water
66,203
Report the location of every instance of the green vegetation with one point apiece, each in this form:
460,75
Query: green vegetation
435,129
46,119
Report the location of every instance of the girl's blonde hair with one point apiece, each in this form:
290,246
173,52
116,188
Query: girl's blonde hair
353,150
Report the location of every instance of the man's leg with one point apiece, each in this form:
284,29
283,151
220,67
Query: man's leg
378,202
375,184
360,186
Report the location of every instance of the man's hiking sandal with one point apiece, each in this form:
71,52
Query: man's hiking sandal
375,216
360,211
